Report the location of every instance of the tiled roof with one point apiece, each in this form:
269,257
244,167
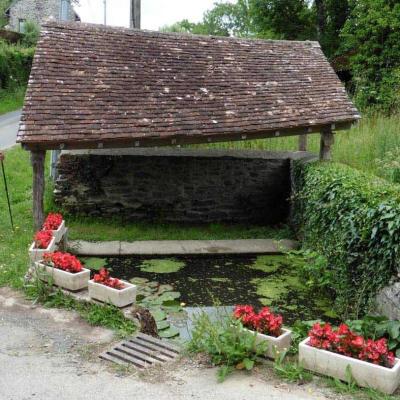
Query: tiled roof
94,86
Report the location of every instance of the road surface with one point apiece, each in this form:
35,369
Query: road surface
48,354
8,129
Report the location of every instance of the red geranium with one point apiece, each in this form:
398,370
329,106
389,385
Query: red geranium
64,261
264,322
103,277
52,222
42,239
348,343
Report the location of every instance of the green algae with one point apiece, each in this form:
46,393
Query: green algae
270,264
162,266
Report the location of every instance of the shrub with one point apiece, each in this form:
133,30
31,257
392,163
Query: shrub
229,345
353,219
15,65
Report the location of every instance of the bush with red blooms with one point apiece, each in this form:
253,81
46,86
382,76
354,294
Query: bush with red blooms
52,222
343,341
103,277
64,261
264,322
42,239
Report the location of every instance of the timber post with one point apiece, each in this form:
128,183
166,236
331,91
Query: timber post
37,160
327,140
302,142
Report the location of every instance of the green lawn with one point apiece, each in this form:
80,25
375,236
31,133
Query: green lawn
11,100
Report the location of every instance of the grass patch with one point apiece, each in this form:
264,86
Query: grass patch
359,147
97,229
11,100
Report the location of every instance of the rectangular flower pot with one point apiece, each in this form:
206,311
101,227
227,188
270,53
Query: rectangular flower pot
334,365
60,232
37,254
275,344
117,297
64,279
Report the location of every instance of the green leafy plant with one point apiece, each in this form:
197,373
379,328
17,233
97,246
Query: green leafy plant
353,219
377,327
227,343
300,331
291,371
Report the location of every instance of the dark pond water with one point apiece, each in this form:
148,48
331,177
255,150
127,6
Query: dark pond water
228,280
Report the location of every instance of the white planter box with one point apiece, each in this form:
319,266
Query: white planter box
117,297
60,232
64,279
334,365
280,343
37,254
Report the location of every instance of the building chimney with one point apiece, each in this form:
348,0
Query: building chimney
135,14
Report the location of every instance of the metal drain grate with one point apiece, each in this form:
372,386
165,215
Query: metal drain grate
142,351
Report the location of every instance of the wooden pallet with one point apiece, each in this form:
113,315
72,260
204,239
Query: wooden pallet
142,351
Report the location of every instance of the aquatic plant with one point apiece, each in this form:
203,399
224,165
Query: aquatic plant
161,266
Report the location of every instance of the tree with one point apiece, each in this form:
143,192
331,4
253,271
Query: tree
372,32
331,16
4,4
31,34
284,19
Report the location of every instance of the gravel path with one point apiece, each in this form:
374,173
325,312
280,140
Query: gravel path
52,354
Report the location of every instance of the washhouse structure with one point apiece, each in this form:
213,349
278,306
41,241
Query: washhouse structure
96,87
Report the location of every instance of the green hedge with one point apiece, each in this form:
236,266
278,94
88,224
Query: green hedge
354,220
15,65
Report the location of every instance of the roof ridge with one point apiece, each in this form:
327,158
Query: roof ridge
85,26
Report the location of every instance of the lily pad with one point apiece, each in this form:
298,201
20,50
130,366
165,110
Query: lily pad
94,263
164,324
158,314
167,296
138,281
169,333
164,266
165,288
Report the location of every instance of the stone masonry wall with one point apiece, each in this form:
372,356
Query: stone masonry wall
37,11
177,185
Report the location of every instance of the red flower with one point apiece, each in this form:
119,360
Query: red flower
52,222
42,239
64,261
264,322
103,277
346,342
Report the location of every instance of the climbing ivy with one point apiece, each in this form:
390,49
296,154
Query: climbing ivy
353,219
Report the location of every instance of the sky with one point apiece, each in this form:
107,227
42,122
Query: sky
155,13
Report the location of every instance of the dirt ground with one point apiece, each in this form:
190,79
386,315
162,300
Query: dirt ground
49,354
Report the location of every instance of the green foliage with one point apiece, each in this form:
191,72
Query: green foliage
228,344
353,219
373,327
287,19
389,165
31,34
4,4
291,371
372,32
300,331
15,65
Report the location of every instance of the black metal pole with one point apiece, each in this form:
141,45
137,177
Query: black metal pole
8,197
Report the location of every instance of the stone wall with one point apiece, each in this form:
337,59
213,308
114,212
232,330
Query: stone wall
37,11
177,185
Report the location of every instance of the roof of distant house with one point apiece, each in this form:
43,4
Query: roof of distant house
94,86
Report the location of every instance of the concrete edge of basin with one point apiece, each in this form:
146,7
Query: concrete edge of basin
182,247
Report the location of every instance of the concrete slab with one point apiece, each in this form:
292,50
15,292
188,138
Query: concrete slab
175,247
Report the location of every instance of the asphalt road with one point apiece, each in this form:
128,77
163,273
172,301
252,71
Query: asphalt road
8,129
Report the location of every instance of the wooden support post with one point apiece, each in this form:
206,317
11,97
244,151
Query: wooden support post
37,160
302,142
327,140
